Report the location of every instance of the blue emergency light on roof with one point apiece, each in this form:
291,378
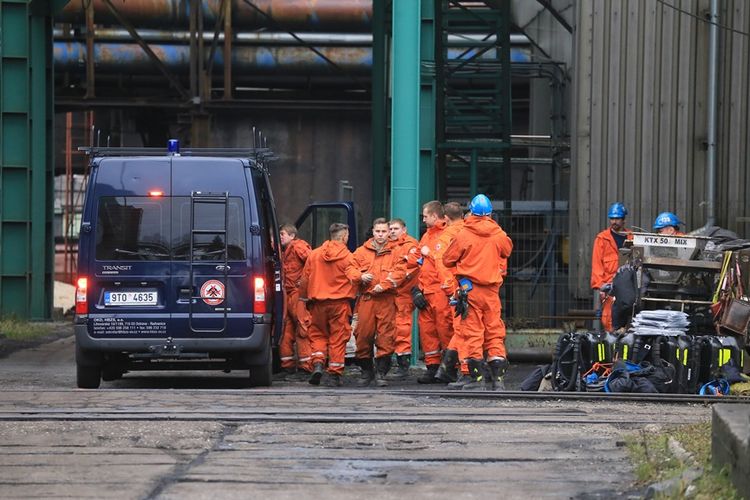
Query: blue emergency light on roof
173,146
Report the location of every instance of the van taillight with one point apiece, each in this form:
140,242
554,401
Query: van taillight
82,306
259,296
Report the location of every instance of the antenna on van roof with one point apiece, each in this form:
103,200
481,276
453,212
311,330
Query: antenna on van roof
253,136
108,138
98,137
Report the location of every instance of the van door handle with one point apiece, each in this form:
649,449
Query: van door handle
221,267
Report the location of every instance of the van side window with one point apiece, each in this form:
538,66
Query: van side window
132,228
265,208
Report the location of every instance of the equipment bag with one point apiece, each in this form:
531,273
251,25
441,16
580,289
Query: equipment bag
567,365
715,353
687,364
634,348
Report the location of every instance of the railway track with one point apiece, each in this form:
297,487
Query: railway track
351,406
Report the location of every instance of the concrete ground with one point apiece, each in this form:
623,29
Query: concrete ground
189,435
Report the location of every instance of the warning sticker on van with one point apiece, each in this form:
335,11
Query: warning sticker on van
212,292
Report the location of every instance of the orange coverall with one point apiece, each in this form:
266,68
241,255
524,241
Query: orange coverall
296,318
377,311
405,249
435,320
328,289
604,264
479,253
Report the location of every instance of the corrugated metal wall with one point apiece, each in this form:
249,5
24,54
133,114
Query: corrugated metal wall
640,79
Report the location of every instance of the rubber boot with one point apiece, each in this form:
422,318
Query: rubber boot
428,377
478,374
498,367
382,365
462,380
402,367
317,374
368,372
447,371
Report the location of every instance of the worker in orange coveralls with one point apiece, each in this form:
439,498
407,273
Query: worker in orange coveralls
447,372
435,286
605,259
328,289
406,250
478,254
296,317
376,306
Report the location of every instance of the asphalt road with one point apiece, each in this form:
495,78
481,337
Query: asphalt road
187,436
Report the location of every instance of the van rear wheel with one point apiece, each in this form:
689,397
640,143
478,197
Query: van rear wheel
88,368
261,375
88,377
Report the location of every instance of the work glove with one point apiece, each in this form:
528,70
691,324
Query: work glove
461,303
420,301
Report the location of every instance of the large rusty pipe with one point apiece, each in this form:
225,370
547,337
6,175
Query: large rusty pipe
353,15
259,60
130,58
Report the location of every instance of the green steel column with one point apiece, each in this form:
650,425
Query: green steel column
26,245
379,109
405,123
405,113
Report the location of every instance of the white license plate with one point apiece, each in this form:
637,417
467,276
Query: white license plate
131,298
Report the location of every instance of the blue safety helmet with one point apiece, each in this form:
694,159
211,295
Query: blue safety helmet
480,205
666,219
617,211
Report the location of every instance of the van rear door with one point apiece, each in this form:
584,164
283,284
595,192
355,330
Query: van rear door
129,280
211,278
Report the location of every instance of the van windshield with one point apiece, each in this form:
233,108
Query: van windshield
146,228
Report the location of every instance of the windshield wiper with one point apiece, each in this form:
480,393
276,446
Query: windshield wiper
141,253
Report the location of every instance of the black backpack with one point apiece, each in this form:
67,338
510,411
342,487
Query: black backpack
567,365
625,291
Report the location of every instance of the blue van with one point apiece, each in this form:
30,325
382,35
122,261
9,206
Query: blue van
179,264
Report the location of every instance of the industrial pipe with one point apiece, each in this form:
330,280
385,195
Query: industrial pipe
254,38
246,38
291,60
130,58
713,57
354,15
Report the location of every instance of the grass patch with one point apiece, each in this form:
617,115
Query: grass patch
16,329
655,462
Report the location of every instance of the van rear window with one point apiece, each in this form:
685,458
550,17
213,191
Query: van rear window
146,228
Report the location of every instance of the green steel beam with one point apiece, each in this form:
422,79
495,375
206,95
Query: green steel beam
427,153
379,108
26,245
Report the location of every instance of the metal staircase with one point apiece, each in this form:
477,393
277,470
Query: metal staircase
473,122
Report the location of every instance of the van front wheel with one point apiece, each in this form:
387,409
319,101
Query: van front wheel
261,375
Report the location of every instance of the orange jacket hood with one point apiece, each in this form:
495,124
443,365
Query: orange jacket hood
334,250
482,226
